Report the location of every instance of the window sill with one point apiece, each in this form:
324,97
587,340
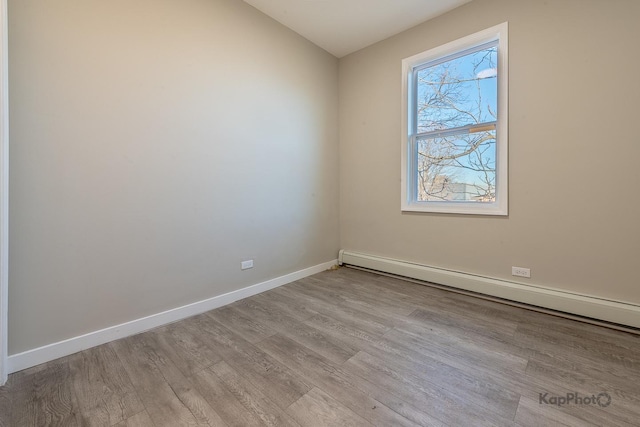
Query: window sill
493,209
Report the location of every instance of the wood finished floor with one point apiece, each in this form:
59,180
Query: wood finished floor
342,348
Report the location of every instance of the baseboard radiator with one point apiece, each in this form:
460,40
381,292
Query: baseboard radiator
616,314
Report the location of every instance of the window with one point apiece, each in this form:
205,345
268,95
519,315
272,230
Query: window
454,143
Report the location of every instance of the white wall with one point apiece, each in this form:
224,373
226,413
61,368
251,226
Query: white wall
154,145
573,145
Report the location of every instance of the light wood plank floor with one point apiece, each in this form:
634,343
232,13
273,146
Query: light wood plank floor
343,348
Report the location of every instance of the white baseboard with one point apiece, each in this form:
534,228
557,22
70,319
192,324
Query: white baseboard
36,356
577,304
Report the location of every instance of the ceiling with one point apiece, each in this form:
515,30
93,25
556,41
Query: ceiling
344,26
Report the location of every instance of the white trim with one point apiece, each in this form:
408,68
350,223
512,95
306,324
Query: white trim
501,205
4,193
27,359
554,299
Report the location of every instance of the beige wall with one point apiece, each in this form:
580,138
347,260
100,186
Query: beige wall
574,151
154,145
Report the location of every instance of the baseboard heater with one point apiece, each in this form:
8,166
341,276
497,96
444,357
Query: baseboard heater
614,314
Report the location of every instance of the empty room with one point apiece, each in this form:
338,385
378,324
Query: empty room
319,213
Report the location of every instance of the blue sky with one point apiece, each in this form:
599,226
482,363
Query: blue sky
473,88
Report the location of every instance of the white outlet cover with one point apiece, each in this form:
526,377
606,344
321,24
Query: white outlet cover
521,272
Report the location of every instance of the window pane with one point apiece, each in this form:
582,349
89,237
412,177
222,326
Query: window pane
457,92
460,167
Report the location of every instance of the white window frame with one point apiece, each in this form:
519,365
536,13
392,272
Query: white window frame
408,198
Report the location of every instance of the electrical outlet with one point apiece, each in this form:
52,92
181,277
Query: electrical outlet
245,265
520,271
